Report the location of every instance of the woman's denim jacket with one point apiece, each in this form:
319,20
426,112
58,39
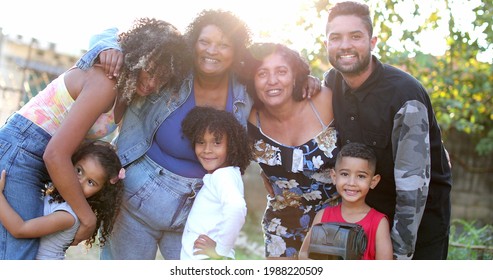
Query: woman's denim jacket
142,119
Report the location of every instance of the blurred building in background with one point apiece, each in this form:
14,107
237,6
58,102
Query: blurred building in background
27,65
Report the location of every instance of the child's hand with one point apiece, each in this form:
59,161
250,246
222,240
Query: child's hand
2,180
205,246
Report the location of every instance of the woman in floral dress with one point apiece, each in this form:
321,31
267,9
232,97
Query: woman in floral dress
294,143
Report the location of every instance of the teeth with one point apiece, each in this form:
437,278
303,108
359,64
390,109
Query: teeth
210,60
274,91
351,192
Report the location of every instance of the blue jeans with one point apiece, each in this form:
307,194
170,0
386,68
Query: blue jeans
154,210
22,144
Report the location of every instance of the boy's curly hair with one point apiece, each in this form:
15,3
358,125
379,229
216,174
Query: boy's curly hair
157,47
231,25
219,122
105,203
259,51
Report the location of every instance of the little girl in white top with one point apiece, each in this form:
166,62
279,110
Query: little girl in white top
219,210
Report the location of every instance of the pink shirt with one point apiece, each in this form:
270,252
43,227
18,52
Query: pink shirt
49,108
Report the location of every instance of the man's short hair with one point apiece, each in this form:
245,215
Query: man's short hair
350,8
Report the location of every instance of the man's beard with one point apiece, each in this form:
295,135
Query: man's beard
360,66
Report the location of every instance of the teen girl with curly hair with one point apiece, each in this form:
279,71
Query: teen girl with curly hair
38,141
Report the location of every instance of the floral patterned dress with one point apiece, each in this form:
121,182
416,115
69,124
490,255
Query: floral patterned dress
300,178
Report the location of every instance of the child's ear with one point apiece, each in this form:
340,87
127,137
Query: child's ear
333,174
374,181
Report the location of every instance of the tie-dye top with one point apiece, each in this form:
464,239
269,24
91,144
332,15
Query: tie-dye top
49,108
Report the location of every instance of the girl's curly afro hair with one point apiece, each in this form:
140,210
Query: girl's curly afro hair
157,47
219,122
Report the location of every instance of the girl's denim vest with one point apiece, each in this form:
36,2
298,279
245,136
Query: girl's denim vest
141,121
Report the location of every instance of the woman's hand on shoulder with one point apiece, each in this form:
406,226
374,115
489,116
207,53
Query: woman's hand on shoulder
312,87
112,61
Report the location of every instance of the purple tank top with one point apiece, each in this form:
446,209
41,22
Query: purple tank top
171,149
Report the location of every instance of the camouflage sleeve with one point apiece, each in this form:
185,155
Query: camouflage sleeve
411,151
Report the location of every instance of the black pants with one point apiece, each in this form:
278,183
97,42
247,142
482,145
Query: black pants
436,250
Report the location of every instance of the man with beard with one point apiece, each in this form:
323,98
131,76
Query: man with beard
389,110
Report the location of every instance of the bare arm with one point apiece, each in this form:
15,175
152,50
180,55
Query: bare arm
303,254
34,228
383,243
95,96
267,185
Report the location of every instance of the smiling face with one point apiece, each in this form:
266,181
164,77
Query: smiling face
354,178
349,45
91,175
274,80
214,52
212,151
148,84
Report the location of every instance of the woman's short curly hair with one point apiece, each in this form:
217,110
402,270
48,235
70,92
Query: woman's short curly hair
259,51
231,25
219,122
157,47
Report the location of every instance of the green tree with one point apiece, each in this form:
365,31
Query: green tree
459,80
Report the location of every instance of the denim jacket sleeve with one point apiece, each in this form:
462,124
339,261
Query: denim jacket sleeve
98,43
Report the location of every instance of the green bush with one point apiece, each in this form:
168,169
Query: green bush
468,241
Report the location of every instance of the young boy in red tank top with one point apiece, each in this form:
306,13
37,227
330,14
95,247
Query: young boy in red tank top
354,176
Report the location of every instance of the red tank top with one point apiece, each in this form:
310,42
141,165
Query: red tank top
369,223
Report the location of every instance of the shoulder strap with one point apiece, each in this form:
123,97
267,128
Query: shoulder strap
318,115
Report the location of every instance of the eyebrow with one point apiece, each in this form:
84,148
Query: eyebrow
358,171
90,178
351,32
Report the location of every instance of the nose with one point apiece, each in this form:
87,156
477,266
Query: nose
351,180
345,42
212,49
207,147
151,83
272,79
81,180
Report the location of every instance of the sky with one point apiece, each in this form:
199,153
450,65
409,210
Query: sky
70,24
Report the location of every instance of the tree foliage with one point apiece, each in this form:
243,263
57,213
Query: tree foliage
459,80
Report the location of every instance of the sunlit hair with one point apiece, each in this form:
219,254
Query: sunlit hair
235,29
350,8
358,150
154,46
219,122
105,203
259,51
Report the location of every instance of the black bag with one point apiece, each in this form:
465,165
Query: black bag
335,241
